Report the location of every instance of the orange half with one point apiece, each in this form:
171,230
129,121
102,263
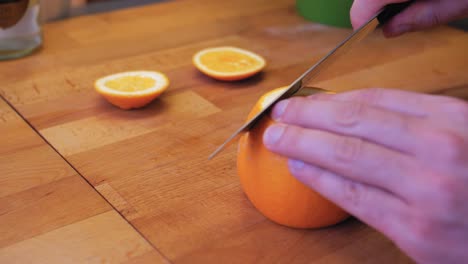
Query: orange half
228,63
129,90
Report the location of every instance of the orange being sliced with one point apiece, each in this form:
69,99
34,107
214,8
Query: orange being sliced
266,180
134,89
228,63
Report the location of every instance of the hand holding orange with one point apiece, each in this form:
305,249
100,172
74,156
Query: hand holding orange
271,188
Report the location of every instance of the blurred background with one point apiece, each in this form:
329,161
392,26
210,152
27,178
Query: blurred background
60,9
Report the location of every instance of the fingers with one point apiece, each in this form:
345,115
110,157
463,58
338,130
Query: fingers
356,159
444,149
405,102
376,207
352,119
426,14
363,10
420,15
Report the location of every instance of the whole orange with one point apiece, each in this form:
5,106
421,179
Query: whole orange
268,184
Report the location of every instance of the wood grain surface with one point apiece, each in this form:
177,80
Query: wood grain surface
151,164
49,214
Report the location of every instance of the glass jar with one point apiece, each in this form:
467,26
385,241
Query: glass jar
20,28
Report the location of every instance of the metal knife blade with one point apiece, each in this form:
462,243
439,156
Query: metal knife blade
379,19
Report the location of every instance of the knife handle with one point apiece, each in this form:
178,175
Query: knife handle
392,10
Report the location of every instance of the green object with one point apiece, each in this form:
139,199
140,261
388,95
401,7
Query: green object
328,12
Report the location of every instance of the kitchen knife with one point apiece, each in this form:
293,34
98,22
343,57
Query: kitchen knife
382,17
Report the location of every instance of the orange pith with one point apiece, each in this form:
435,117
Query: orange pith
129,90
267,182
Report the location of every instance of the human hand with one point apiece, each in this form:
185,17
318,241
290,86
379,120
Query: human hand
420,15
396,160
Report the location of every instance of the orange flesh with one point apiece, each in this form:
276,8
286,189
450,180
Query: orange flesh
229,61
131,83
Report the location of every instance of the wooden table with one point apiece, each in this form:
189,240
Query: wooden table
108,185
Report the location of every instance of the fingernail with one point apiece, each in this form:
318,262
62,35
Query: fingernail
273,134
279,109
296,165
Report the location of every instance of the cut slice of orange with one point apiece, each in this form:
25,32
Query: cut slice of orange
134,89
228,63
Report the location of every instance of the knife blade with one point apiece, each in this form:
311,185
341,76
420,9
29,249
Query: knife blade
382,17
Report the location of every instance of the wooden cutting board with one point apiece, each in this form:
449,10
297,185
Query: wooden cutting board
49,214
151,164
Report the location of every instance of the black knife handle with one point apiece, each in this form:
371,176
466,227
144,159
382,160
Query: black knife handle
392,10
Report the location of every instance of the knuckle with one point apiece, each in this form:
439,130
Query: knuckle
423,229
349,114
317,176
446,195
294,104
348,149
293,138
450,145
353,193
370,95
459,108
440,197
406,125
296,110
431,17
463,112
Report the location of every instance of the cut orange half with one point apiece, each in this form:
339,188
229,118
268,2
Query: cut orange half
228,63
134,89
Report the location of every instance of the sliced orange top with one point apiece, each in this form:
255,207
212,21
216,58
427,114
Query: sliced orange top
132,89
228,63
